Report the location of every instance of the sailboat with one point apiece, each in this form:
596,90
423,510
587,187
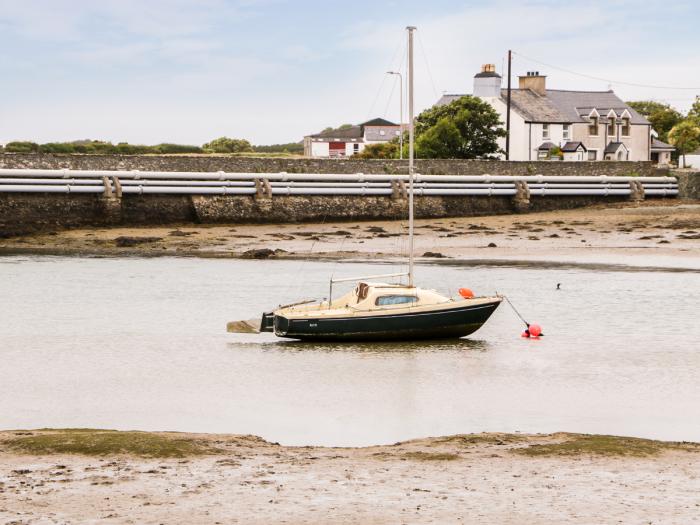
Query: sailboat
376,310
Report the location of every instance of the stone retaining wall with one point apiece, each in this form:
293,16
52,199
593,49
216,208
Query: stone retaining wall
303,165
25,213
688,183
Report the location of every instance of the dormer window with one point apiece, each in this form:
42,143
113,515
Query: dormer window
625,127
593,126
612,122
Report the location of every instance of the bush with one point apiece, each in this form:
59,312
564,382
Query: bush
227,145
382,150
22,147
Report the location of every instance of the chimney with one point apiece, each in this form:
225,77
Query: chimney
534,82
487,84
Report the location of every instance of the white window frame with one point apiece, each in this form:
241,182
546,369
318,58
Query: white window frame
566,131
545,131
588,157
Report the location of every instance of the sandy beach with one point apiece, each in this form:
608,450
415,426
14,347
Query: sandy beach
655,233
485,478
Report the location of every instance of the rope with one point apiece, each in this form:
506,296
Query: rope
516,311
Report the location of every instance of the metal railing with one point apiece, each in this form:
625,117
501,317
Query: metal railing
223,183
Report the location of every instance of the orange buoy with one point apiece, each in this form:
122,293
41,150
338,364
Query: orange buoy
466,293
535,330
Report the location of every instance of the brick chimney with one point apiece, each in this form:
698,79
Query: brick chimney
534,82
487,84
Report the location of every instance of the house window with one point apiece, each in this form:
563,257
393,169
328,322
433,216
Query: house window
382,132
625,127
545,131
592,154
611,127
566,132
593,127
355,148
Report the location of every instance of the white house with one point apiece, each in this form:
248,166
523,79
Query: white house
582,125
344,142
692,160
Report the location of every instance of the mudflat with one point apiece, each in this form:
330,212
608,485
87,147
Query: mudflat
624,231
79,476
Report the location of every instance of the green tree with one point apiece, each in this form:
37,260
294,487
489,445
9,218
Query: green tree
345,126
694,113
662,116
685,137
227,145
467,128
381,150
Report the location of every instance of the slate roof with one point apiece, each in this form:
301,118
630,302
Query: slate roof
354,132
378,122
613,147
572,147
560,106
546,146
656,144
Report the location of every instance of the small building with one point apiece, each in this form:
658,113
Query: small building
661,152
598,120
691,160
345,142
574,151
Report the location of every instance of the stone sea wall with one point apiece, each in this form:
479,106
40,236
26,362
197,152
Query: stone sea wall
26,213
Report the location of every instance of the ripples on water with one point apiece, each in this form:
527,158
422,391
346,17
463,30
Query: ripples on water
141,344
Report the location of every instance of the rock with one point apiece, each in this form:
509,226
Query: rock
259,253
179,233
375,229
126,242
492,245
436,255
554,236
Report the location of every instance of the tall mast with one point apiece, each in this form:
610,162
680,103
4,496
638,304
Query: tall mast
410,30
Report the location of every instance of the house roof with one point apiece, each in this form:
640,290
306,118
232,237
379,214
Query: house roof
572,147
358,131
378,122
353,132
657,145
614,146
546,146
560,106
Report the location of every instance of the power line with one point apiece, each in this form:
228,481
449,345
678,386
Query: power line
633,84
427,65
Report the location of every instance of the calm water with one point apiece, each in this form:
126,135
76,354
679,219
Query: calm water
141,344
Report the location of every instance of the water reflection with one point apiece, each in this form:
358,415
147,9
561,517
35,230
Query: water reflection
379,348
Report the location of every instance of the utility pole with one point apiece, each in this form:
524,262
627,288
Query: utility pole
400,111
410,30
510,60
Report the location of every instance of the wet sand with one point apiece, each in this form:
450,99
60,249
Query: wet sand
486,478
653,233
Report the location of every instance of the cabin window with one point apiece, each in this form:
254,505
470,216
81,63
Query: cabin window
545,131
566,132
593,127
385,300
625,127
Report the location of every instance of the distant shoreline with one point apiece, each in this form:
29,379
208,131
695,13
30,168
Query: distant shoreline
654,235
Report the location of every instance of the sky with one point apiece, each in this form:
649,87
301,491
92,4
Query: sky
272,71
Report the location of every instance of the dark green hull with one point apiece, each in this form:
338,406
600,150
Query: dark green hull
440,324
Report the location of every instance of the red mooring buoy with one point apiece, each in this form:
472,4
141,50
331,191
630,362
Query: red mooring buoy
535,330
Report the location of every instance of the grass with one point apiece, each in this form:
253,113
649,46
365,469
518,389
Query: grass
601,445
431,456
89,442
